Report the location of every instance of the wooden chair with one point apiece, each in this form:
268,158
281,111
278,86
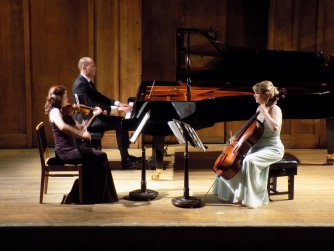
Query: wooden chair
54,167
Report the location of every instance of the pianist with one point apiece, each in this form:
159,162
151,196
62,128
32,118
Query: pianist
249,186
88,95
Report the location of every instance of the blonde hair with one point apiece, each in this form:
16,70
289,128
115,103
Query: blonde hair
266,87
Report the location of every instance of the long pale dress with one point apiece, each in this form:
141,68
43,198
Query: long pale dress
249,185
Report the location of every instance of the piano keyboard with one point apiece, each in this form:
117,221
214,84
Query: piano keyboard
128,114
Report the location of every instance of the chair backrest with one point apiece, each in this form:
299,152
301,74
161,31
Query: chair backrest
53,165
42,143
48,162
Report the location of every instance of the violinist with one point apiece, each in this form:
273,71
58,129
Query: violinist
249,186
98,184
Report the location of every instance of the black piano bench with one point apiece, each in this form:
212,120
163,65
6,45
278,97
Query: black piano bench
95,142
287,166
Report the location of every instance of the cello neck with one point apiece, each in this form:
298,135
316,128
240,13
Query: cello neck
246,125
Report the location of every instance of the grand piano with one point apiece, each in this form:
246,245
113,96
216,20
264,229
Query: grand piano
217,87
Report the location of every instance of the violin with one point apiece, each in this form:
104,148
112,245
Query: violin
84,109
72,109
230,160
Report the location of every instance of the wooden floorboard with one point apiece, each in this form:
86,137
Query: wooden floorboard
312,207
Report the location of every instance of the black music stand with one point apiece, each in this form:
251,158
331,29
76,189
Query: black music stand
184,134
142,194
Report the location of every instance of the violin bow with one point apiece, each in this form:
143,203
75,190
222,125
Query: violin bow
78,104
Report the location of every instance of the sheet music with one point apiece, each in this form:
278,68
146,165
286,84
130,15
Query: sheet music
196,142
177,132
182,131
139,128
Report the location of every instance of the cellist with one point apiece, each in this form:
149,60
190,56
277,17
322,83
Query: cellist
249,186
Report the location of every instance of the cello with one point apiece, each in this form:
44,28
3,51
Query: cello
230,160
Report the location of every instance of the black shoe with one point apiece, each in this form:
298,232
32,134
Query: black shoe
135,158
130,161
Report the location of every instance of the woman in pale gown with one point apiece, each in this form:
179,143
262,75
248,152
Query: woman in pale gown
249,186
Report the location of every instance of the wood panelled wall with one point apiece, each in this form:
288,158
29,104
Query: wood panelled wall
302,26
41,44
42,41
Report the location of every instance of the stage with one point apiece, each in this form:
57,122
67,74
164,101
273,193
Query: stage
307,222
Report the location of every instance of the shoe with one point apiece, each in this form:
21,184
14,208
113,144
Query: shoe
130,161
135,158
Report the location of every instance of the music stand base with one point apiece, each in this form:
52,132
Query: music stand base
141,195
191,202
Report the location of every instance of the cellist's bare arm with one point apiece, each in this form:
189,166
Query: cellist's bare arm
273,118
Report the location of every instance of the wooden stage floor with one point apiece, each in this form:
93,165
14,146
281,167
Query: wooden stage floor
302,223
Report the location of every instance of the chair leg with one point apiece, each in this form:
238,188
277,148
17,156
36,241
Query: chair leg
46,178
80,184
291,186
275,183
42,187
268,187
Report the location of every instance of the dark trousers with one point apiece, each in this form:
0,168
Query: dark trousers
107,123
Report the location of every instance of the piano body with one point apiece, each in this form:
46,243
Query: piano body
218,87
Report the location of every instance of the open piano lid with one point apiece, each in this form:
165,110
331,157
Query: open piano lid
213,61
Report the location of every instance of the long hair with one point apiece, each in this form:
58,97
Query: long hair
53,99
268,88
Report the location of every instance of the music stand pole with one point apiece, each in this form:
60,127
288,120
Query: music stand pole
186,201
143,194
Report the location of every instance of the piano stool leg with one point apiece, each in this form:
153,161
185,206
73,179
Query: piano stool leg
291,186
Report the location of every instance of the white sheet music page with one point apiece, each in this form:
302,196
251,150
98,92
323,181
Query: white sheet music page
139,128
177,131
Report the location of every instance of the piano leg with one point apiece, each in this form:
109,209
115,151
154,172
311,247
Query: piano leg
330,140
156,161
157,156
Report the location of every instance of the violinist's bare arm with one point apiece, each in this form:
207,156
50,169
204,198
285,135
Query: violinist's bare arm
55,117
97,111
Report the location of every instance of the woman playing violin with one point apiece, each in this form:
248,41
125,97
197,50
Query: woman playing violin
98,185
249,186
